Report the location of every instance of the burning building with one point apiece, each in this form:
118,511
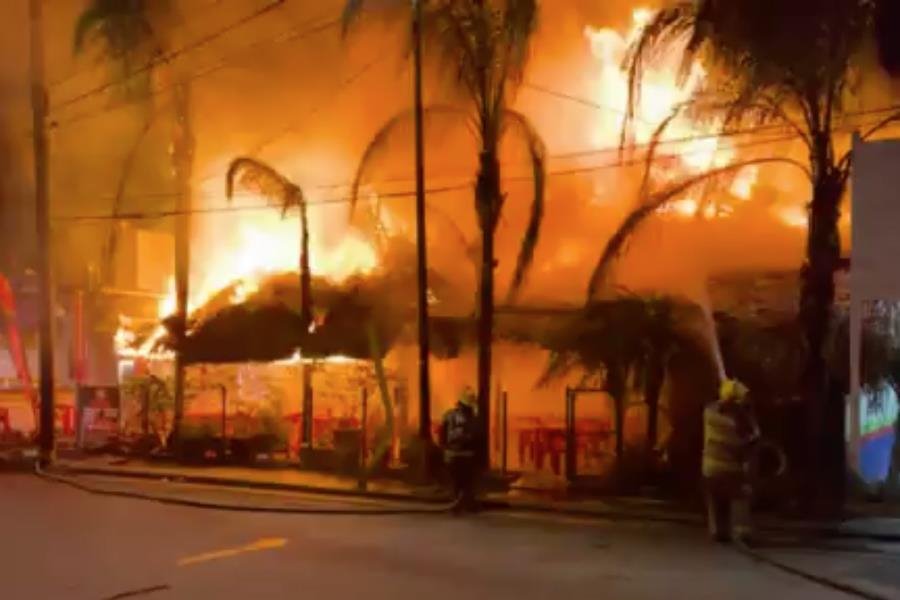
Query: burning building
245,337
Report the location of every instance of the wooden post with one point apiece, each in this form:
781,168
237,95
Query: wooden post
363,443
306,416
424,469
224,391
42,222
145,418
571,462
504,431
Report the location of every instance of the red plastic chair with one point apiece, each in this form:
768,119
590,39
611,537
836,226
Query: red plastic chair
65,419
5,426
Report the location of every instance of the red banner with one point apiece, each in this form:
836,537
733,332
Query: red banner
14,340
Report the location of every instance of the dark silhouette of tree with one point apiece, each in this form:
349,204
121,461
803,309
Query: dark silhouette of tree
484,44
134,34
793,64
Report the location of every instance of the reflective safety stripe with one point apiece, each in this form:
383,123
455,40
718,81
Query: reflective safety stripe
458,453
722,446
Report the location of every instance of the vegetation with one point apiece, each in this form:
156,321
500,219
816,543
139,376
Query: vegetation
265,180
133,36
794,65
630,341
485,44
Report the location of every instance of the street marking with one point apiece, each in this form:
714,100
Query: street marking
257,546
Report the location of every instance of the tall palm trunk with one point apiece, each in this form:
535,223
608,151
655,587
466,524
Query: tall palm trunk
656,376
306,320
306,306
824,415
182,155
487,198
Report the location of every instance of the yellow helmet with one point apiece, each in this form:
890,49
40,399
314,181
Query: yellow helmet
467,398
733,390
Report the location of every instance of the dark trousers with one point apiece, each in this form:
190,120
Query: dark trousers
462,474
728,507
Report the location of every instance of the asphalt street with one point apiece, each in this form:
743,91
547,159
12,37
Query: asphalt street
62,543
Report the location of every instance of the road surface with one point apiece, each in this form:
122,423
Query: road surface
62,543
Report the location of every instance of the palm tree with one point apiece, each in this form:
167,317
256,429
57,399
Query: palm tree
789,64
630,340
665,327
265,180
485,43
132,34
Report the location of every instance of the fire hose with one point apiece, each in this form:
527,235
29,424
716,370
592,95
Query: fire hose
99,491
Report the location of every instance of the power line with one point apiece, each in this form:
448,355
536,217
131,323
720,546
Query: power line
140,216
290,36
62,80
172,55
341,87
686,139
403,194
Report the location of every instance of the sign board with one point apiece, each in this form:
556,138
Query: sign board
98,414
874,277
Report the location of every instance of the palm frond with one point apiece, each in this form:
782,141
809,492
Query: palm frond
652,204
667,25
520,20
87,25
352,10
379,142
122,27
109,250
559,365
263,179
451,27
538,155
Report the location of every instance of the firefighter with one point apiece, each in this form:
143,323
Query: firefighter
459,439
730,433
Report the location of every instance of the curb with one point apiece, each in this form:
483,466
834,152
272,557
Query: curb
239,508
245,484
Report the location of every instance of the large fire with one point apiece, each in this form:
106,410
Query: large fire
239,249
689,147
236,250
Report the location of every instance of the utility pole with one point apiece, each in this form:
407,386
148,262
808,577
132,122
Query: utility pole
421,242
42,222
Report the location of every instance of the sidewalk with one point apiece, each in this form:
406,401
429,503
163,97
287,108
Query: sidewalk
617,508
293,479
273,478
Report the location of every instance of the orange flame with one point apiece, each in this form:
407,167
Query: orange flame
695,146
240,249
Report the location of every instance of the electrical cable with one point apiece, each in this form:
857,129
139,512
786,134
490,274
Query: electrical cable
292,35
64,79
403,194
168,57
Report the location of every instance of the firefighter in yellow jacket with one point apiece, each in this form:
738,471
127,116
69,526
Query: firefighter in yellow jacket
730,433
